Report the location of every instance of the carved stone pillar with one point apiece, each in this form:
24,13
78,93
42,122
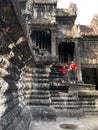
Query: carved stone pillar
77,59
53,42
13,108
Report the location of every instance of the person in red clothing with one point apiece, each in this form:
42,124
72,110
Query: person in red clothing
64,71
73,72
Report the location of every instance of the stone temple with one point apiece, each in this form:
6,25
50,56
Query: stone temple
36,39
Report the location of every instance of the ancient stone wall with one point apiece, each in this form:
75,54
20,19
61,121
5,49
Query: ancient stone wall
14,56
89,52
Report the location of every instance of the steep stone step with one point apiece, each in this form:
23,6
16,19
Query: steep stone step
40,75
89,110
39,71
40,84
27,75
64,103
88,100
88,106
65,107
40,80
39,102
37,96
40,87
55,74
36,92
57,99
53,94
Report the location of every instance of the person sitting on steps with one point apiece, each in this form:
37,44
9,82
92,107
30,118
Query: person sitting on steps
64,71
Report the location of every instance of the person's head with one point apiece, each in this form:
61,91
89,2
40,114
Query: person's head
72,62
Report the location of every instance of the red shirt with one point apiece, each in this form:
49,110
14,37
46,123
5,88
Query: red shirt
73,66
64,70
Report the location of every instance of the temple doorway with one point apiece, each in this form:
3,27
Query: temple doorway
66,52
90,76
42,39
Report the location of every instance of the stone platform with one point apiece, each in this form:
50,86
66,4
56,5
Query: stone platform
87,122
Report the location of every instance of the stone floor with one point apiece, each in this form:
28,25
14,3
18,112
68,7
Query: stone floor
87,122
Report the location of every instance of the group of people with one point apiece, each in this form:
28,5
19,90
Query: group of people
69,73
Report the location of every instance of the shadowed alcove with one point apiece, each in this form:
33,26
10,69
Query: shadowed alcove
66,52
42,39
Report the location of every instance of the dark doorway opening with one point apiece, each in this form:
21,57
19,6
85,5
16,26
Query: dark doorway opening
42,39
66,52
90,76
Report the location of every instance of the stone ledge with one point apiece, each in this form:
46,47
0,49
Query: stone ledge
92,93
43,113
22,121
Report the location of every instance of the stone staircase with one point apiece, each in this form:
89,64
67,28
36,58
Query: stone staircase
63,100
55,75
45,90
64,103
37,94
37,87
88,101
60,97
75,99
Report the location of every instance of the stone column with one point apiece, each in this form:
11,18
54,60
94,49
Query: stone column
97,78
53,42
77,59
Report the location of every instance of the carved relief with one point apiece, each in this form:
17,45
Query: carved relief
50,14
45,12
89,53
